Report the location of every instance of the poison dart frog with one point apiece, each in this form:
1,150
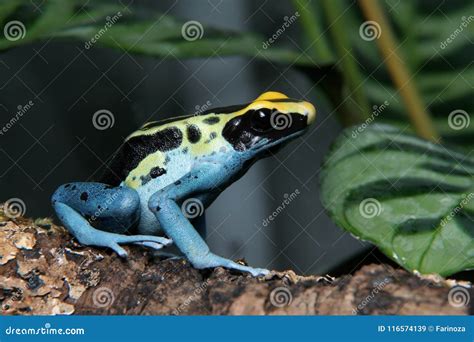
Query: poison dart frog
166,164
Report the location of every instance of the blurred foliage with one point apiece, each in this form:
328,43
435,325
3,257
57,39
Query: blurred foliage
445,76
441,70
138,31
412,198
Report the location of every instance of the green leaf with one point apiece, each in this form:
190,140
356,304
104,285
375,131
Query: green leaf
139,30
7,8
411,198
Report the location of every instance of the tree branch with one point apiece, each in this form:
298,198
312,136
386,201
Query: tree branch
44,271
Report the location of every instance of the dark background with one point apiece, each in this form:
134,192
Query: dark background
55,141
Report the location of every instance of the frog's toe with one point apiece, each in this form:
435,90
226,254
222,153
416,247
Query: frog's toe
165,242
141,239
119,250
150,244
257,272
213,260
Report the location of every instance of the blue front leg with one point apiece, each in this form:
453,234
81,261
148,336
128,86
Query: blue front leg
165,204
114,209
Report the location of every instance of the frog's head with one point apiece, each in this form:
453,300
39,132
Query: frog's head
267,122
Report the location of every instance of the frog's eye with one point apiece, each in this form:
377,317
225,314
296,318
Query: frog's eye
261,120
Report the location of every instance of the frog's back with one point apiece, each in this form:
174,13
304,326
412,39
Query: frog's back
163,150
143,156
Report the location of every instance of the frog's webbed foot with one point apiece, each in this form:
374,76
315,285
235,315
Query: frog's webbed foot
213,260
114,241
150,241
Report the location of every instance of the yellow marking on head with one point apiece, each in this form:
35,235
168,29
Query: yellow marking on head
271,95
201,148
290,106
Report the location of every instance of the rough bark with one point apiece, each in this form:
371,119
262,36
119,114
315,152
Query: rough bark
44,271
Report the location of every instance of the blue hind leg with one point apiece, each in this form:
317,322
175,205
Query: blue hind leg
165,204
113,210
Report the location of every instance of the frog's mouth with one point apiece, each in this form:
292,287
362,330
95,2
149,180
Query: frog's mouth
281,143
273,147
